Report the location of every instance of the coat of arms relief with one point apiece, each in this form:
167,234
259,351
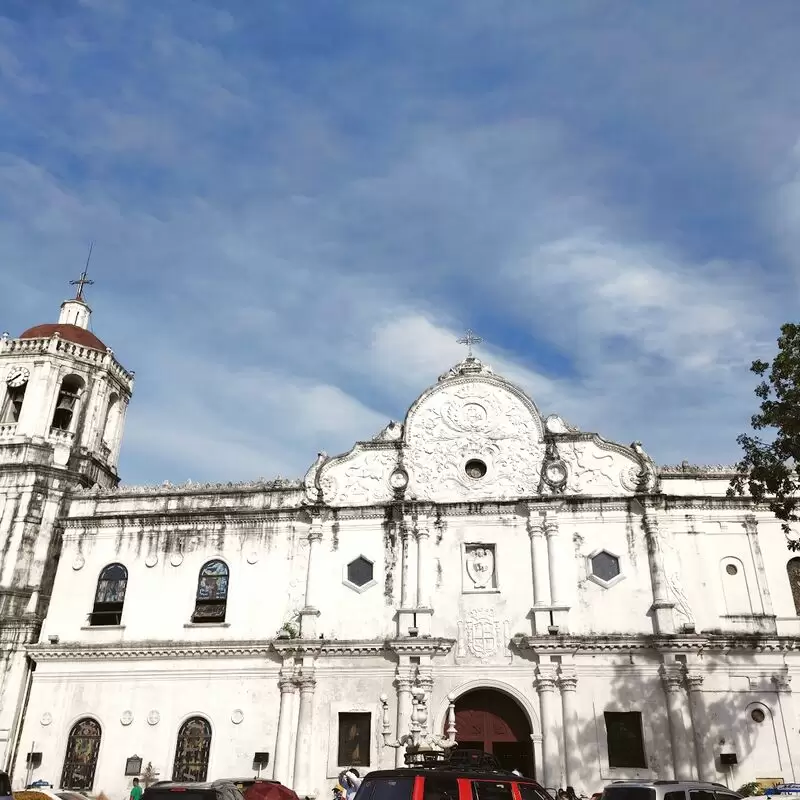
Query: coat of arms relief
483,637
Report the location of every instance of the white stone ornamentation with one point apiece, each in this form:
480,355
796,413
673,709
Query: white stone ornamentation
482,636
237,716
46,719
153,718
78,562
126,718
479,564
151,560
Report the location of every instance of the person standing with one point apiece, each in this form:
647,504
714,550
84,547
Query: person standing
136,791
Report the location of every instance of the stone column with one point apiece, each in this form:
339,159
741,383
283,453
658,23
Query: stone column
403,683
310,613
706,768
405,556
538,758
557,577
672,676
783,686
568,683
541,579
423,563
303,742
551,760
751,526
662,606
283,738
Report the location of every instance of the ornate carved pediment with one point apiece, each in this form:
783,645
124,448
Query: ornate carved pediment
476,437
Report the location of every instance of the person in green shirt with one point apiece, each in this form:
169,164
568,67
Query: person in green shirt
136,790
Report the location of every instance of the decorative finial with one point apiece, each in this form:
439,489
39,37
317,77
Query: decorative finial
470,338
83,280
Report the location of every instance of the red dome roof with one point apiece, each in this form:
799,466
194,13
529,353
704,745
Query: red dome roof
72,333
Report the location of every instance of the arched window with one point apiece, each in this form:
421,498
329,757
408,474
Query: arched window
80,761
212,592
191,751
793,571
110,596
735,591
67,403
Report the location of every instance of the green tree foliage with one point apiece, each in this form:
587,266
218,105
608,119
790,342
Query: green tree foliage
770,469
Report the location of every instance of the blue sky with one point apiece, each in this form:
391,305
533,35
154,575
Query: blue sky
299,205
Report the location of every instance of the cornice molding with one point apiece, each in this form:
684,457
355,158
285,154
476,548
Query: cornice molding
206,517
278,484
624,644
263,649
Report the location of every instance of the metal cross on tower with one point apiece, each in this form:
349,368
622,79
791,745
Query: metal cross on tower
83,280
469,338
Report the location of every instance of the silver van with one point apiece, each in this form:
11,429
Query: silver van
667,790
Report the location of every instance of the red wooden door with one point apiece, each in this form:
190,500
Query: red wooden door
491,721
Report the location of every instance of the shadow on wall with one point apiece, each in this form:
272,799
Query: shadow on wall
706,710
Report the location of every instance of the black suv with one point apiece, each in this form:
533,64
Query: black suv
213,790
466,775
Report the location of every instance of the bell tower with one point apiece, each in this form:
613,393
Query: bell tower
63,401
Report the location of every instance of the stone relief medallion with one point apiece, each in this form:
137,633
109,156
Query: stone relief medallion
252,558
176,559
126,718
79,562
151,560
46,719
480,567
237,716
153,718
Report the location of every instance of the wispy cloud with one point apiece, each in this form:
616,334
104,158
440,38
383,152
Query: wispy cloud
296,214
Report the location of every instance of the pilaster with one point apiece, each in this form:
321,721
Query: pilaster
304,740
546,687
568,684
672,677
706,768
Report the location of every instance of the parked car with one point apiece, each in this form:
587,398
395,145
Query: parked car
48,793
211,790
261,789
5,787
668,790
471,774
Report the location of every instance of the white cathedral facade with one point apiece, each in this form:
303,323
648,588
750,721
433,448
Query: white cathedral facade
591,615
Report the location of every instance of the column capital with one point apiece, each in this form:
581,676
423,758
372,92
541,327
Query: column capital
535,527
782,682
695,681
423,530
306,683
567,681
551,527
672,676
545,679
286,684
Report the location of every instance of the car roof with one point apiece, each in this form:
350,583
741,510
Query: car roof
451,772
188,785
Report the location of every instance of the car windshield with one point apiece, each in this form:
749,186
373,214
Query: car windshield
628,793
386,789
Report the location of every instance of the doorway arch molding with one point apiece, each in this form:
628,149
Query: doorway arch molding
500,686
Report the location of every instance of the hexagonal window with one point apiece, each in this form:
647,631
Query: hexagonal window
605,568
359,574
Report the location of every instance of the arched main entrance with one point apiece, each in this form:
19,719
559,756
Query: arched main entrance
490,720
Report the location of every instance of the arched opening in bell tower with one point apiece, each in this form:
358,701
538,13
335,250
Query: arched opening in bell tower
67,403
492,721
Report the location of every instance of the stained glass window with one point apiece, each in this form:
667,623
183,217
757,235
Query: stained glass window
110,596
80,761
191,752
212,593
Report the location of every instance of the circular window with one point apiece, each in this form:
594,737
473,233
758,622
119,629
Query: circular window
475,468
757,715
731,569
